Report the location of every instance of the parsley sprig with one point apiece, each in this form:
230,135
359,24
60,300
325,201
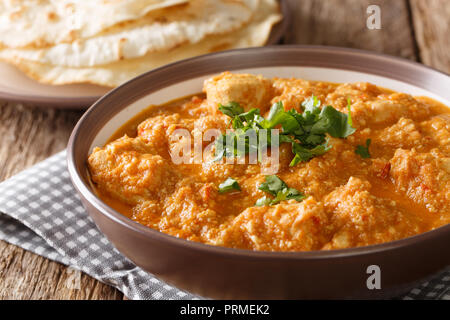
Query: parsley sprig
305,131
278,189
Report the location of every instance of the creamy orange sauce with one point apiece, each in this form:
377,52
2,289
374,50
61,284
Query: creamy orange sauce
401,190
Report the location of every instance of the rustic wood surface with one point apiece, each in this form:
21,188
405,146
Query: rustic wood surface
413,29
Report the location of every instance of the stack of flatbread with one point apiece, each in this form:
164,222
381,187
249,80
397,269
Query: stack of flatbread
108,42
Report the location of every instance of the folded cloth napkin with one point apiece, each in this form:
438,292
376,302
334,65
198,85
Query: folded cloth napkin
41,212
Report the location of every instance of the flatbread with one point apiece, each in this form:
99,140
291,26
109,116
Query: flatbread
39,23
189,24
254,34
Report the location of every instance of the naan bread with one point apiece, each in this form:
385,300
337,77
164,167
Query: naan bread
188,24
254,34
38,23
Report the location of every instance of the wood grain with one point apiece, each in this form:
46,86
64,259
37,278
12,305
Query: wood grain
343,23
431,20
29,135
416,29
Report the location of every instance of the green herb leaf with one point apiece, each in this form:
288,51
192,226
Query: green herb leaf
301,154
364,151
315,139
295,194
229,185
264,201
277,188
349,108
272,185
306,131
288,194
334,123
250,115
304,154
311,106
232,109
277,116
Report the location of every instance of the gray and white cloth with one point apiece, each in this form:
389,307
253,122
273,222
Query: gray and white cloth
41,212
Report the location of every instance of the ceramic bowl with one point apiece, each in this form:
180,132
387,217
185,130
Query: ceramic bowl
219,272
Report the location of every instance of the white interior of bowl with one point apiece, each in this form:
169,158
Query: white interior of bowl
195,85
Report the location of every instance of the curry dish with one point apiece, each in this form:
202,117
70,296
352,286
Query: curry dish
371,168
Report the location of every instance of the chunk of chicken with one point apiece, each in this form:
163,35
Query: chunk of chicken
292,92
403,134
189,213
248,90
127,170
438,129
288,226
360,218
156,131
424,178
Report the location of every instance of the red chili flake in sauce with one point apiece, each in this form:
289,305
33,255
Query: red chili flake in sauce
316,220
425,187
385,171
207,192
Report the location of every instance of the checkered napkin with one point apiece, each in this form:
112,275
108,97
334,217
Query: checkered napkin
41,212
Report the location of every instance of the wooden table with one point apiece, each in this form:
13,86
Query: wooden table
414,29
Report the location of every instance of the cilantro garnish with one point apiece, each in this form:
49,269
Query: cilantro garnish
349,108
305,131
272,185
232,109
333,122
363,151
304,154
229,185
279,189
263,201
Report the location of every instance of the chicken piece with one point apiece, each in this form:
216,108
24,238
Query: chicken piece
384,111
373,106
438,130
248,90
188,212
288,226
156,131
361,95
395,106
358,92
424,178
403,134
127,170
360,218
208,128
293,92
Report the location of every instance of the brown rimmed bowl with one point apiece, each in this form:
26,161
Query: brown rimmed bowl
218,272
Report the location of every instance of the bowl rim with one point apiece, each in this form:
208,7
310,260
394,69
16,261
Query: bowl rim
85,191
